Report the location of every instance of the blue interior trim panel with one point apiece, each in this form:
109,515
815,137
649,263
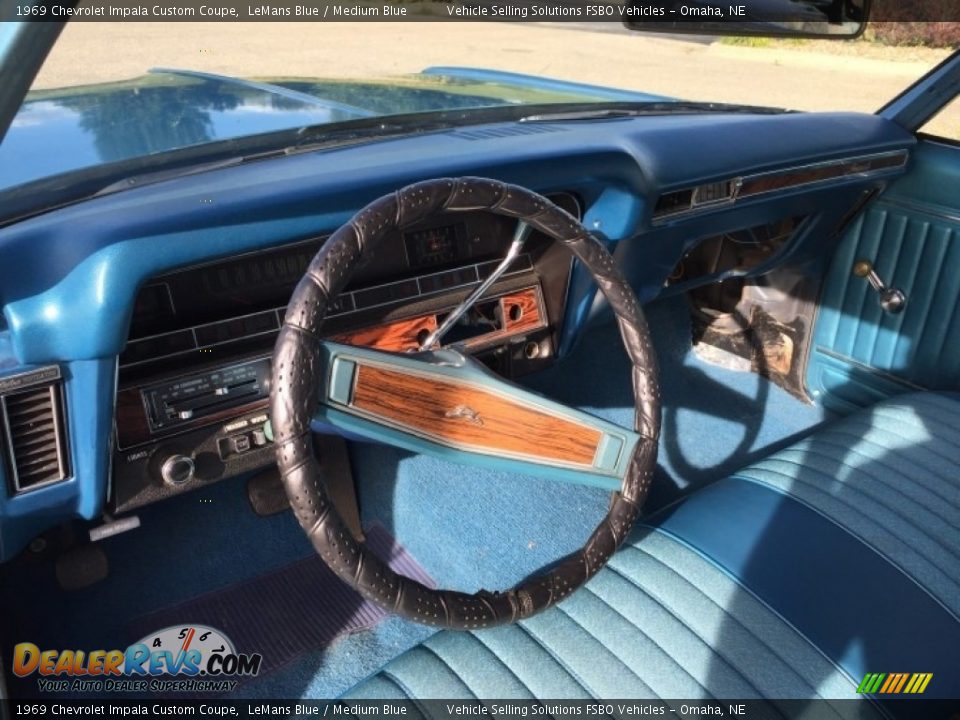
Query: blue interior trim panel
912,236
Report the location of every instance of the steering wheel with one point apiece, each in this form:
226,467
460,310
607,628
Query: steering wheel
442,402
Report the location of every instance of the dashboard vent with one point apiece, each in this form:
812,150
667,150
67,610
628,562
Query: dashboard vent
32,417
701,196
674,202
713,193
506,131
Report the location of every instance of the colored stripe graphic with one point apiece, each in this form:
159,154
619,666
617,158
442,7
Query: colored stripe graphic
894,683
903,680
892,679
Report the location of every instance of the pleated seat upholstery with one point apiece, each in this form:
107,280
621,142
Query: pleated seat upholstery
891,476
830,559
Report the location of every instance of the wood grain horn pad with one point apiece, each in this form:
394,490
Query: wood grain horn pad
466,414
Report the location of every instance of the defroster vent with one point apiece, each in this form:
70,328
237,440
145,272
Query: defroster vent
34,429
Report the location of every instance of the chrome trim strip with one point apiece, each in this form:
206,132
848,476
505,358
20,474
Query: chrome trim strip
239,256
351,409
15,382
869,369
740,180
831,163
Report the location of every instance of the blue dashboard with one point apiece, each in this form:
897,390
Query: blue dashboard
652,187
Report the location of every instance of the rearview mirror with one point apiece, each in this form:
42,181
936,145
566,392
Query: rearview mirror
831,19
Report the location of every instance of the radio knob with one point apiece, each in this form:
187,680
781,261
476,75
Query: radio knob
177,469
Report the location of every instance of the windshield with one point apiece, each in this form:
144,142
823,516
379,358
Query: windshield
113,91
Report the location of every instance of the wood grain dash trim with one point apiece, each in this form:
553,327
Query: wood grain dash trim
396,336
795,177
531,317
468,417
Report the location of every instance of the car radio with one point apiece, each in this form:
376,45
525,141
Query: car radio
186,431
173,403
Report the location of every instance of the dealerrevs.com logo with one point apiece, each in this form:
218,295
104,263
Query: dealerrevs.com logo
183,658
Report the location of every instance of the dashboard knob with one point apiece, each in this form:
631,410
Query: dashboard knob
177,469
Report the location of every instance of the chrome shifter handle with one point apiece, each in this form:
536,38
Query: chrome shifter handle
432,340
892,299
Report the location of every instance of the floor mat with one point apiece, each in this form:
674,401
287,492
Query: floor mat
198,545
290,611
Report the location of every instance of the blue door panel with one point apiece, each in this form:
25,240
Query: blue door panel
861,354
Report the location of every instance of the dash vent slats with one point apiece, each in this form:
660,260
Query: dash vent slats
506,131
34,438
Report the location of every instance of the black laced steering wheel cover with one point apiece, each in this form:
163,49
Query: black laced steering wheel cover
295,390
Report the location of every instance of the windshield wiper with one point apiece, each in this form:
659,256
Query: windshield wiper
651,108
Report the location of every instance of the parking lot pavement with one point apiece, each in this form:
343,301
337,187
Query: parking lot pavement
690,68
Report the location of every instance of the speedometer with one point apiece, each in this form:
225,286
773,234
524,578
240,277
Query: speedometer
432,246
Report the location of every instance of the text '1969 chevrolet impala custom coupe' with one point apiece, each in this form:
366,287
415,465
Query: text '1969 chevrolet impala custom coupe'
584,364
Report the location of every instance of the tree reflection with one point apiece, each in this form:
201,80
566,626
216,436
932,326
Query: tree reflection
128,121
387,99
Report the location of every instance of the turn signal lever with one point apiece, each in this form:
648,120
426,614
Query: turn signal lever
892,299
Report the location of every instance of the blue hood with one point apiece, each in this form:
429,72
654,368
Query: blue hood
57,131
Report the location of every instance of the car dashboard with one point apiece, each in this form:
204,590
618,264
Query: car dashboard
143,328
194,376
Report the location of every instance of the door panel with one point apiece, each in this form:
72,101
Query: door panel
911,234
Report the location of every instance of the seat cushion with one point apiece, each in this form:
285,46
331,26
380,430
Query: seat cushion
828,560
891,476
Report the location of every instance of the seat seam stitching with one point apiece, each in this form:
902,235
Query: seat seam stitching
856,511
506,667
879,479
600,643
449,667
857,514
562,663
923,449
760,600
693,632
737,621
870,545
933,472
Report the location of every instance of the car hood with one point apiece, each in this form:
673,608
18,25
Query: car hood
57,131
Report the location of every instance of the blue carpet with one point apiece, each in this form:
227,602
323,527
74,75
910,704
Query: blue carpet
715,420
468,528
